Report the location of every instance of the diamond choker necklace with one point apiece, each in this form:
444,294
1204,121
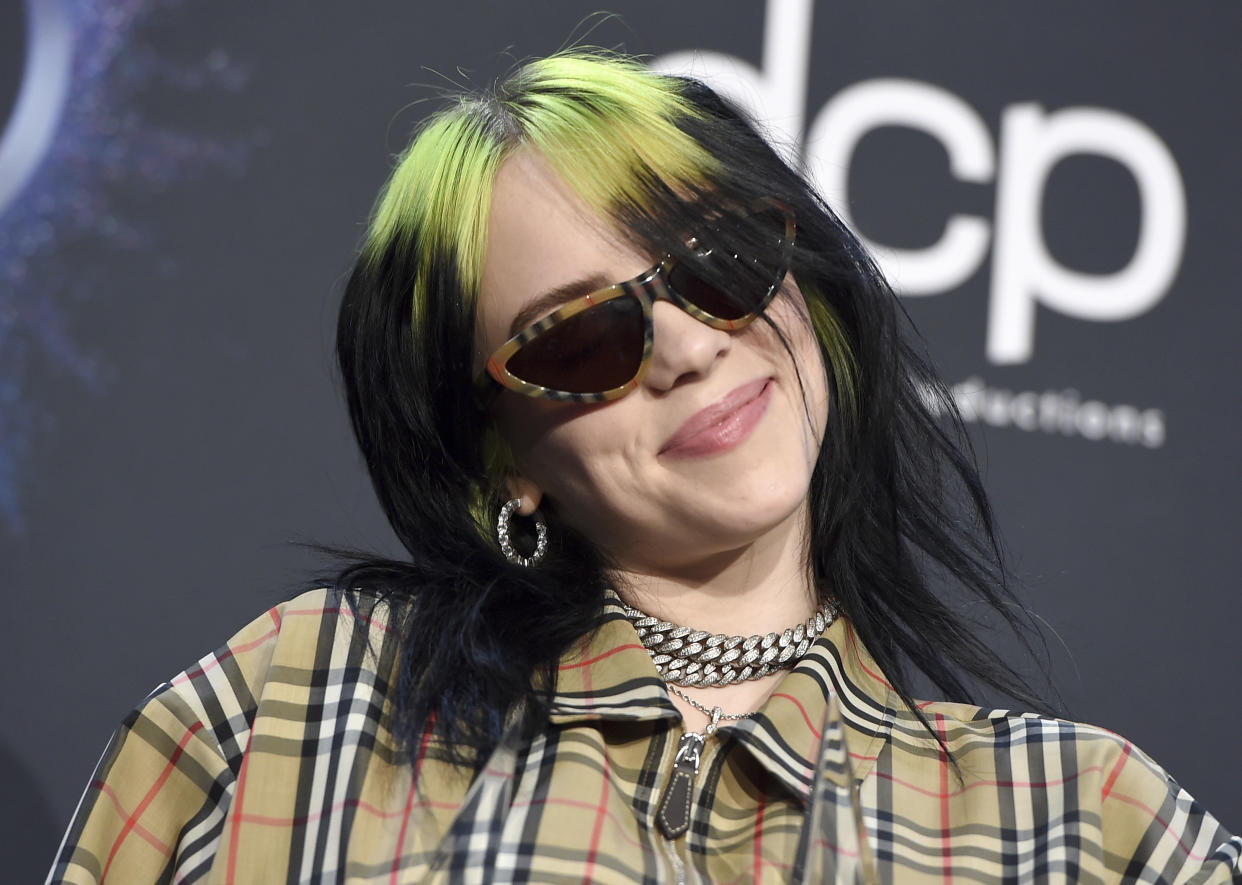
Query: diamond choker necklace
689,657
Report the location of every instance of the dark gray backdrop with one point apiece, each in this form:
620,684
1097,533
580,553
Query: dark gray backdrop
171,257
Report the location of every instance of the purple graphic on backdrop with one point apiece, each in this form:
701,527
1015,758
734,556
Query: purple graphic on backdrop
76,134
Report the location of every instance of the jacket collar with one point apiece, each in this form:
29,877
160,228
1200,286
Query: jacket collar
608,675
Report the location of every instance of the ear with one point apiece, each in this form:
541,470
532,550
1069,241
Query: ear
530,493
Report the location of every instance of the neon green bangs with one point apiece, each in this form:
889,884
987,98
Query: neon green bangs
606,123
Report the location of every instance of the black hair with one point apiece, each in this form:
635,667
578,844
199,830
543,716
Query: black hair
898,513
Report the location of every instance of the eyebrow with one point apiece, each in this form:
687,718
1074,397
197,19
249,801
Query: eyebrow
554,298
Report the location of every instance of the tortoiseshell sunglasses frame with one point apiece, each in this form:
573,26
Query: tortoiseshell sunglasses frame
648,287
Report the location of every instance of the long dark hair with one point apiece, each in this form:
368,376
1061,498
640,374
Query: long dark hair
894,496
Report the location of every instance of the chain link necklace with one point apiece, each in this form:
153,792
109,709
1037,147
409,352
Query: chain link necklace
687,657
699,659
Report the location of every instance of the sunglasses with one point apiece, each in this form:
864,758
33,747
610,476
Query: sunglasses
597,347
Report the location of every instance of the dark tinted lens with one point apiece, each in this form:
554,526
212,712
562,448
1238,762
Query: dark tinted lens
769,260
724,302
596,350
731,286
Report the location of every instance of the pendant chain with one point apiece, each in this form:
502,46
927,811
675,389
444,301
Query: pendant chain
715,713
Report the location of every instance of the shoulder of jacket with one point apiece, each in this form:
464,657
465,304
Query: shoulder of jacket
1014,725
289,643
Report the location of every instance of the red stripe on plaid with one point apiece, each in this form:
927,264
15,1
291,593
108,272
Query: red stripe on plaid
139,829
600,814
758,843
197,670
601,806
607,654
835,848
588,680
235,829
1116,772
231,651
849,629
1030,785
618,822
267,820
946,841
409,800
405,823
339,610
132,821
1151,812
802,710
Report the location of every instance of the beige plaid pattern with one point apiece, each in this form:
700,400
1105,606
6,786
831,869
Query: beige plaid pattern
270,761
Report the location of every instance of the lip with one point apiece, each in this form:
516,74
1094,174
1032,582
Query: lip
722,426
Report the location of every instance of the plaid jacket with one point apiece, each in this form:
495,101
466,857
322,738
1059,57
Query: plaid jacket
269,761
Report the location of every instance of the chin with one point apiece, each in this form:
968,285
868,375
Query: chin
749,518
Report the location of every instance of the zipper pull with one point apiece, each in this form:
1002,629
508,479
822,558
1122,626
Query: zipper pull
673,814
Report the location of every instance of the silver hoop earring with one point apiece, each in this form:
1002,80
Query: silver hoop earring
506,546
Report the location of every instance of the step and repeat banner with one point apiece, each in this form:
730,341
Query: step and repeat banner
1053,189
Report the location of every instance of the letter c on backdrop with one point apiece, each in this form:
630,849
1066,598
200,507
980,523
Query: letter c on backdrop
873,104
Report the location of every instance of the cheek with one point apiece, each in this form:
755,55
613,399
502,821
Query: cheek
572,452
588,461
790,313
524,423
802,364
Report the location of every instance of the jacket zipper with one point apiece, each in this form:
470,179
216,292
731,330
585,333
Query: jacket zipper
673,813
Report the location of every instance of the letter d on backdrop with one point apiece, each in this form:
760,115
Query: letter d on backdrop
775,95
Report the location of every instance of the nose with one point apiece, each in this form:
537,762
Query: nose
683,348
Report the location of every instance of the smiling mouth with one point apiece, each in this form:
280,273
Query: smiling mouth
722,426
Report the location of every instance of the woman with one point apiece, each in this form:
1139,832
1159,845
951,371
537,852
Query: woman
672,486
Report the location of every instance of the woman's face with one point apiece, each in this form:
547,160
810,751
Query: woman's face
711,453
